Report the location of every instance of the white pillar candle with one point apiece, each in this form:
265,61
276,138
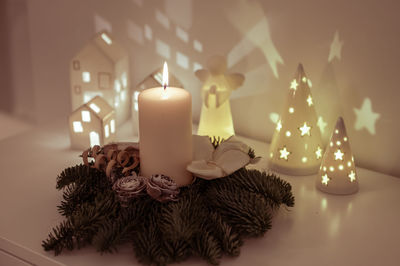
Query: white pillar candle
165,132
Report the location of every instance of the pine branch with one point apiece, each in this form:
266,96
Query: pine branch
61,237
245,211
119,230
229,239
147,241
270,186
179,221
206,245
85,189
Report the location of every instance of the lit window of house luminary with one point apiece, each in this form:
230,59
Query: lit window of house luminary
337,174
151,81
92,124
101,68
216,117
296,147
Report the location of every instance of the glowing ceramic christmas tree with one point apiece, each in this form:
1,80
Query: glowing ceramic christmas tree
296,147
337,174
216,117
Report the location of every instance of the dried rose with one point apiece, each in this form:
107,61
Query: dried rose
162,188
129,187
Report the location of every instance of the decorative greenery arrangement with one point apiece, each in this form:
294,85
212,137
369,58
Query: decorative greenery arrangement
209,218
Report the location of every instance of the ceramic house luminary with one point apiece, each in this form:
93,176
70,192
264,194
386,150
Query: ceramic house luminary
216,117
151,81
101,68
93,123
296,147
337,174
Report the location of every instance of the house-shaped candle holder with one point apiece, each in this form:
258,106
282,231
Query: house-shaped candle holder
93,123
101,68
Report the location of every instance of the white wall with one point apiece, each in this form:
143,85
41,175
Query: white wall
265,40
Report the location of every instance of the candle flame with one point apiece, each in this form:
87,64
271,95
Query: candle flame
165,76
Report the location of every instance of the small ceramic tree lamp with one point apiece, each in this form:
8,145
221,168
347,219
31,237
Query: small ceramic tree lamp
296,147
216,117
337,174
101,68
92,124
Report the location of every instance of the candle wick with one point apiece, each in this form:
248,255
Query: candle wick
165,86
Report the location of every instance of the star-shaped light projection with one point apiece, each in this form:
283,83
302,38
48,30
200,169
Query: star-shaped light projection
336,48
284,153
325,179
352,176
309,100
321,124
293,85
338,155
365,117
318,152
338,160
274,117
305,130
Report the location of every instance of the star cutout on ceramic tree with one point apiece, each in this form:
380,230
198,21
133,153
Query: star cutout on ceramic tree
352,176
293,85
309,100
279,125
325,179
365,117
321,124
318,152
338,155
304,130
284,153
336,48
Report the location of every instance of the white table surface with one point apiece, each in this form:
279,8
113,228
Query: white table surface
322,229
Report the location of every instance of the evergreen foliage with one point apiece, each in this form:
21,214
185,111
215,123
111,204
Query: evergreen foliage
210,218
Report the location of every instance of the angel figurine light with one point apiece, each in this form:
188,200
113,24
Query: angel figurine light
216,116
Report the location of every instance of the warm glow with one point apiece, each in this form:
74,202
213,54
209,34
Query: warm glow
85,116
325,179
112,126
117,86
284,153
352,176
94,107
94,138
304,79
331,168
106,131
318,152
77,126
338,155
340,167
291,110
279,125
106,38
86,77
304,159
304,130
338,143
293,84
165,75
288,134
309,100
